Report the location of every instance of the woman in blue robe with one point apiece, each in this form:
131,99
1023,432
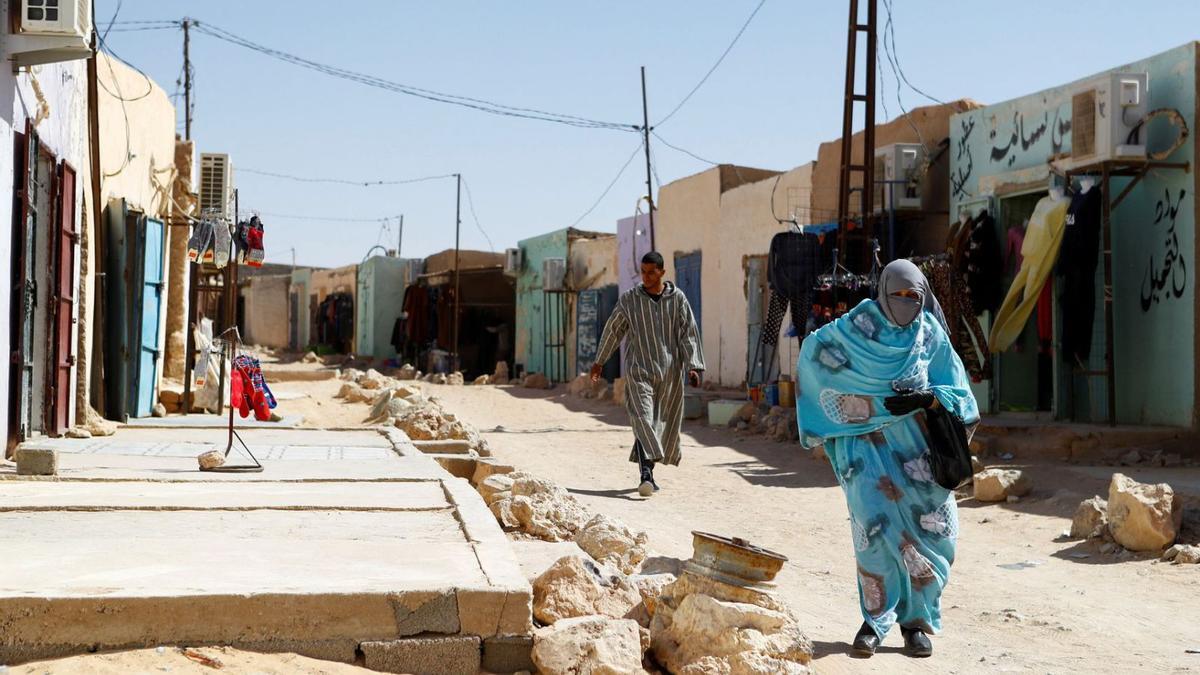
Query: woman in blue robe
865,381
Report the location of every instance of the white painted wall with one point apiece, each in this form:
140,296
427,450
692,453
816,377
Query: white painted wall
55,97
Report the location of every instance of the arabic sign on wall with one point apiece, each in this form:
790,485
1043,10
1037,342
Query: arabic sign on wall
1153,230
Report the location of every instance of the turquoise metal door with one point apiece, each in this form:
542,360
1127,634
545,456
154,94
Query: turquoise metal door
687,278
151,311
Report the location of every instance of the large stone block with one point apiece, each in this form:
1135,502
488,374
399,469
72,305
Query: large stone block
488,612
432,612
589,644
508,654
574,587
1090,518
33,462
424,656
997,485
1143,517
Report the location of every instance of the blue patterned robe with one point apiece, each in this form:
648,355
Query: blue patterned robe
904,525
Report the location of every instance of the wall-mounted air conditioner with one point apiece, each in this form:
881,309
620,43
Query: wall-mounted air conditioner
1106,112
512,261
216,185
898,162
50,31
554,274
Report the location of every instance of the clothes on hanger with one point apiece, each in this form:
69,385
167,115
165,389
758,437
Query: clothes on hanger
1040,251
984,264
1077,269
200,244
1012,247
793,262
249,390
962,322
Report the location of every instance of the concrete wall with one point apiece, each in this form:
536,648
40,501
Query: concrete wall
1154,230
747,226
633,241
302,286
440,262
184,203
688,219
266,300
933,123
54,97
591,263
338,280
138,163
530,336
381,287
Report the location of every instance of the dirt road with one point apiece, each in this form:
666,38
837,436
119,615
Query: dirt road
1018,600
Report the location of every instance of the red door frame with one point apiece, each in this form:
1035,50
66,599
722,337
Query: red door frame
63,304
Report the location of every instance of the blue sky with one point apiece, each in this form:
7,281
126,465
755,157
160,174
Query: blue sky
773,100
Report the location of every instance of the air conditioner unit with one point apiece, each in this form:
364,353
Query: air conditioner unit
898,162
554,274
512,261
216,185
50,31
1105,114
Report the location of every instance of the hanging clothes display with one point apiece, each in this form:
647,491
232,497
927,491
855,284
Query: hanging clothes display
249,242
335,322
1077,268
1040,251
962,322
200,244
984,264
249,390
792,267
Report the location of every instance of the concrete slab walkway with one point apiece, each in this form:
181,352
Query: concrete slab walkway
347,545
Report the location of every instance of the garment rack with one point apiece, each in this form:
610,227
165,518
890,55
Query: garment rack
229,347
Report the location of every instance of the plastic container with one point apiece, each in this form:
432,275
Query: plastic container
720,412
771,394
787,393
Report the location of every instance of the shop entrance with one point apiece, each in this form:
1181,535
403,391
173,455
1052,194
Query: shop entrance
1025,372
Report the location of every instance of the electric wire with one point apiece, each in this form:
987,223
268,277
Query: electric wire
714,66
471,206
481,105
342,181
616,178
332,219
888,52
891,28
689,153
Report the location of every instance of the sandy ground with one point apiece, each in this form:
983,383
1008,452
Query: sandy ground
1068,609
172,660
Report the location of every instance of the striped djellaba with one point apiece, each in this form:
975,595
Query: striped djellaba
663,345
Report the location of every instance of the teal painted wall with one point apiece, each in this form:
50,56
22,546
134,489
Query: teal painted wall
1154,231
530,336
380,297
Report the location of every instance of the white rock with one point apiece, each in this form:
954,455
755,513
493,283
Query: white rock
574,586
351,374
1188,555
589,645
609,541
997,485
1143,517
493,485
455,379
1090,519
482,380
502,509
651,587
537,381
78,432
211,459
372,379
706,635
354,393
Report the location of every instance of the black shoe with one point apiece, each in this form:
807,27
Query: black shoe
865,643
916,643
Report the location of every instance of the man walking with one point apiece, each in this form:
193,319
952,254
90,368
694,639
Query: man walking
663,342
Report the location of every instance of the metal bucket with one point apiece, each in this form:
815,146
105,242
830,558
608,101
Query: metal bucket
733,560
787,393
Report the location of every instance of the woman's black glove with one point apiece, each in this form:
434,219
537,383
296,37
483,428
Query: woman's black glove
903,404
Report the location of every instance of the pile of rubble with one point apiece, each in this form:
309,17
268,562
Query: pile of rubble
599,612
775,422
583,387
405,406
1137,517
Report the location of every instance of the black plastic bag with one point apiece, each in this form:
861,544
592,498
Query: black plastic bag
949,449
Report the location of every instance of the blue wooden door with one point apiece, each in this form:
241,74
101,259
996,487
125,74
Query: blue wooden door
687,278
587,316
151,312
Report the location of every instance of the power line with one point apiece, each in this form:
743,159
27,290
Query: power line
689,153
409,90
471,205
888,52
343,181
891,28
715,65
610,185
331,219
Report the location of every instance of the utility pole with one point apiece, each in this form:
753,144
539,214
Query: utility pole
400,240
187,82
866,166
457,226
646,145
